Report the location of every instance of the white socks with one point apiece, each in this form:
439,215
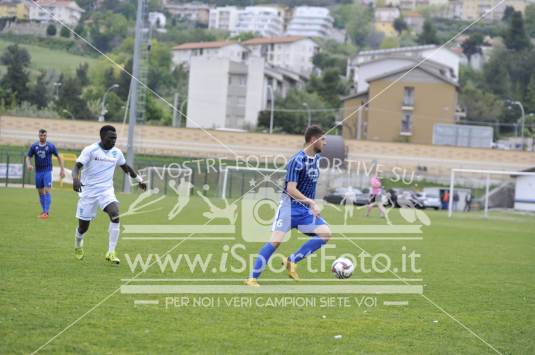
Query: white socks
78,239
113,231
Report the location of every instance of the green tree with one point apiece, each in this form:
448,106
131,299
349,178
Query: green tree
108,30
359,23
529,20
429,34
71,100
329,86
16,79
496,75
529,101
515,37
400,25
481,105
82,74
40,92
472,45
51,30
65,33
293,118
508,14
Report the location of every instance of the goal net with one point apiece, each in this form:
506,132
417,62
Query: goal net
487,189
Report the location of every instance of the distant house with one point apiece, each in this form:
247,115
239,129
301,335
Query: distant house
234,51
226,94
414,21
293,53
15,9
310,22
195,11
63,11
417,99
358,65
157,19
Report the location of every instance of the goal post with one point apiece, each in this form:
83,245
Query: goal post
487,173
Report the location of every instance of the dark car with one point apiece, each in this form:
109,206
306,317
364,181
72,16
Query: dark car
337,196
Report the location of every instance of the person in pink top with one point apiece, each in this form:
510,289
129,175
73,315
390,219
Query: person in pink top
375,195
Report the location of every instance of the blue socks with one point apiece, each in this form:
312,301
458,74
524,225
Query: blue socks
262,259
306,249
46,201
42,201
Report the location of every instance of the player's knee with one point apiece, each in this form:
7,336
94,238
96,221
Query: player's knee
82,228
114,218
276,244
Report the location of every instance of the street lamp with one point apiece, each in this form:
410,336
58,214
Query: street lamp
69,113
272,102
523,118
308,111
103,109
57,85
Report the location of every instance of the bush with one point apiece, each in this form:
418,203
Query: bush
65,32
51,30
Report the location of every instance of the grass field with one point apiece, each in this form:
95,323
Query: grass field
478,271
45,58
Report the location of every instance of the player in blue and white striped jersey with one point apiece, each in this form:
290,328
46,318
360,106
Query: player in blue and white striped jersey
297,208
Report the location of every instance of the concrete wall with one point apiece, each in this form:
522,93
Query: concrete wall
186,142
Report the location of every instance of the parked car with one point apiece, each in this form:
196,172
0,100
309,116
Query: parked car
431,198
337,196
410,198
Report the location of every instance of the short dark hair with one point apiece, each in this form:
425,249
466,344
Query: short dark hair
42,130
105,129
313,131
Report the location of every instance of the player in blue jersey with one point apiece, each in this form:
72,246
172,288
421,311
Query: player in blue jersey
43,150
297,208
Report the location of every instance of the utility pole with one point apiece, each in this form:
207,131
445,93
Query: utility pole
272,102
176,123
134,89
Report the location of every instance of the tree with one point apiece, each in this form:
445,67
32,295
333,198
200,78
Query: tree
359,23
472,45
40,92
515,37
529,101
71,100
329,86
295,120
15,81
108,30
480,105
400,25
529,20
496,75
508,14
429,34
81,74
65,33
51,30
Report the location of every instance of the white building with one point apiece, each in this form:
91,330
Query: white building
386,14
224,18
157,19
234,51
293,53
310,22
525,191
367,64
263,21
227,94
195,11
65,11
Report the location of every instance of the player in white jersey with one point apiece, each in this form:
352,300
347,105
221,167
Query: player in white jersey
95,188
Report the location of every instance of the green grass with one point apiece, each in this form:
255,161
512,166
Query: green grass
44,58
479,271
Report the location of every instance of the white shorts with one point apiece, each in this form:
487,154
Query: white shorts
88,203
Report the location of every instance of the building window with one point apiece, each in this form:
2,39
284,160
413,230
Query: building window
406,123
408,96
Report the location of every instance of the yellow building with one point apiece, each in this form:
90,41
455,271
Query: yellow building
18,10
401,106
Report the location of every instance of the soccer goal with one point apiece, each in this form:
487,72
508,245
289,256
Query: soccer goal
166,178
236,181
502,189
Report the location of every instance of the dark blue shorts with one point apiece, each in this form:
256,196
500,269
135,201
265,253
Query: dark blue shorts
43,179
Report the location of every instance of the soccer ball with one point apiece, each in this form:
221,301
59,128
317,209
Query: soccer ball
342,268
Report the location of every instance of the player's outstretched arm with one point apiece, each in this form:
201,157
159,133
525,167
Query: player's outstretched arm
132,173
76,184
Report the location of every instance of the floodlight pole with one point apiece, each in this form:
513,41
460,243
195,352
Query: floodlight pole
133,90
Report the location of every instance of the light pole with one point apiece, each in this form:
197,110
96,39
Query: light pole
272,103
57,85
103,109
308,112
69,113
523,118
